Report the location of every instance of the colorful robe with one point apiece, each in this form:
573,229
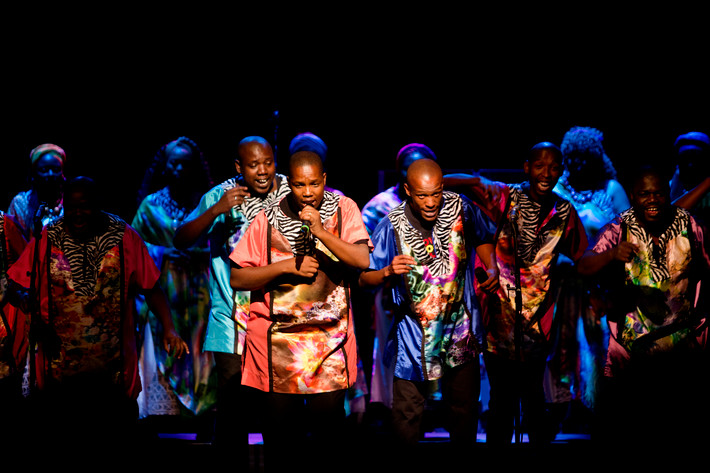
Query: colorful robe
300,335
437,320
229,309
191,378
86,293
13,321
541,235
657,306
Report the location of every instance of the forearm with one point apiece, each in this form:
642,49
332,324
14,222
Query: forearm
353,254
256,277
158,303
592,263
486,252
691,198
189,232
373,278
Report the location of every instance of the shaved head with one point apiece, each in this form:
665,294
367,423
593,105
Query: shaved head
424,169
424,187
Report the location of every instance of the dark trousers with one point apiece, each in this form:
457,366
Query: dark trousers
304,428
460,388
515,388
231,435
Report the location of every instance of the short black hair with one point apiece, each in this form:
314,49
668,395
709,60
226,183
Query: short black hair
537,150
304,158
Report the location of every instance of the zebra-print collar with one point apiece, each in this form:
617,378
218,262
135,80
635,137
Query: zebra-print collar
441,233
85,257
657,250
533,227
281,217
252,205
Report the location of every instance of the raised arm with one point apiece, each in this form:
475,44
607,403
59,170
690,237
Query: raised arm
691,198
592,262
356,255
250,278
190,231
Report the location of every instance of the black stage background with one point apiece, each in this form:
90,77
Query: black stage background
112,94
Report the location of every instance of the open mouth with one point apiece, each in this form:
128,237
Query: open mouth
544,186
653,211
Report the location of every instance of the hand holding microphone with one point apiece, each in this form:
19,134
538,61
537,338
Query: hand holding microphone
310,220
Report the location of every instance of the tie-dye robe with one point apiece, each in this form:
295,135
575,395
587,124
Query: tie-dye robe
438,320
300,335
658,305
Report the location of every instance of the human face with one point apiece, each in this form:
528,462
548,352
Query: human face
650,199
80,214
307,184
544,170
258,167
179,164
49,169
426,194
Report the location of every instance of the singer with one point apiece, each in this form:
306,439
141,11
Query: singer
423,254
300,349
541,225
43,202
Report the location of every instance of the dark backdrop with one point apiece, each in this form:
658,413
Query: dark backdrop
477,104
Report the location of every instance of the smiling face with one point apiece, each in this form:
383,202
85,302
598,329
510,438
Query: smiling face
650,199
544,169
257,165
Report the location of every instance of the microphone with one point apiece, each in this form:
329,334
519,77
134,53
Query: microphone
306,228
481,275
513,218
40,210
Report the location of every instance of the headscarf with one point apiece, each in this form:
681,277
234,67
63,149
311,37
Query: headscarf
47,148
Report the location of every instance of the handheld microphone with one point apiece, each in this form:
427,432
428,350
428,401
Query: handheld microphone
305,228
40,210
481,275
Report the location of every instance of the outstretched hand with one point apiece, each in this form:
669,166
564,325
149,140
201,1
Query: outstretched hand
174,345
401,264
625,251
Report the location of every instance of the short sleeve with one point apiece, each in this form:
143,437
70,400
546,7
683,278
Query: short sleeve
383,245
140,268
250,250
353,227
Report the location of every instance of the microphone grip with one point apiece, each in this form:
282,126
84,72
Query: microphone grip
305,227
481,275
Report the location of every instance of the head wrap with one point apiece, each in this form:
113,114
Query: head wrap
692,140
308,142
47,148
413,148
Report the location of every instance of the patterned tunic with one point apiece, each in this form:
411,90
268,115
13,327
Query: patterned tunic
541,235
186,283
300,334
229,310
657,309
85,289
13,322
438,321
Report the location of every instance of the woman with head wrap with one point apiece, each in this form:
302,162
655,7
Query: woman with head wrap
589,182
172,187
42,204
